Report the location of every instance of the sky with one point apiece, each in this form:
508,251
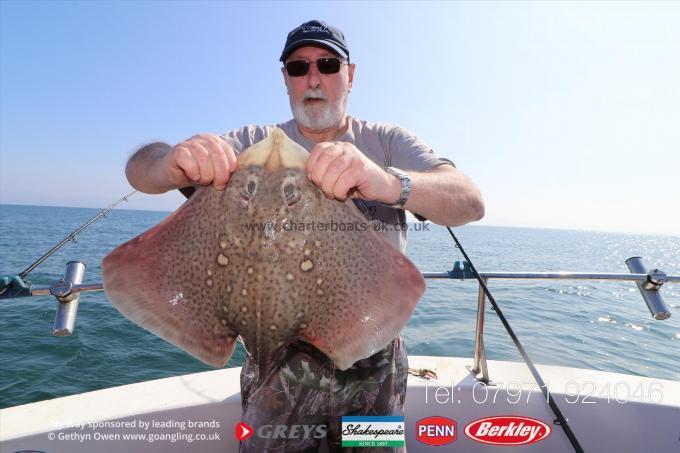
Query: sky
565,114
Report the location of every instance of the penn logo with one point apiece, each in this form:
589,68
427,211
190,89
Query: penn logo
507,430
436,431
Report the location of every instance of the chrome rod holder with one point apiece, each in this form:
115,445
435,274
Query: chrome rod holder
67,300
650,288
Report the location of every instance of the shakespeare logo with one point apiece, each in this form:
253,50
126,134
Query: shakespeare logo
373,431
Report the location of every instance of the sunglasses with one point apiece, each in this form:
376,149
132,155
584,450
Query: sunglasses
298,68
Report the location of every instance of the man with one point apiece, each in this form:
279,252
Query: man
385,168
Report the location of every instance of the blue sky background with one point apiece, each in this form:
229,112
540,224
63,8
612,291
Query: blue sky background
565,114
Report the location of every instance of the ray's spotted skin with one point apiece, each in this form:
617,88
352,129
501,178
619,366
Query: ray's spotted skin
221,267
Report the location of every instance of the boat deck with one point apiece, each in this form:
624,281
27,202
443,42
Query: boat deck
606,411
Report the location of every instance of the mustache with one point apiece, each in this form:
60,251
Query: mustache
315,94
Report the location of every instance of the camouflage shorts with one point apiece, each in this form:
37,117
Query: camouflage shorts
300,399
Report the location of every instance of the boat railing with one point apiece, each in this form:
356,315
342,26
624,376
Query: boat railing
648,282
67,292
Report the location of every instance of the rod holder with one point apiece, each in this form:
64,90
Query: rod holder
650,288
67,301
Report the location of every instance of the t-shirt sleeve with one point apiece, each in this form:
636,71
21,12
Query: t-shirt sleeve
408,152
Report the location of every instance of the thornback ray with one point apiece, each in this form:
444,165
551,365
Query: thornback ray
269,259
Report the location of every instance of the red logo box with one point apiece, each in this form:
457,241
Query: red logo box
436,431
507,430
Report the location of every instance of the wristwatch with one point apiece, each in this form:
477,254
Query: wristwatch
405,187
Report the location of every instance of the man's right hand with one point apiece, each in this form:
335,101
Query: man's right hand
203,159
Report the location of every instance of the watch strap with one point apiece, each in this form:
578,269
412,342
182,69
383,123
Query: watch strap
405,187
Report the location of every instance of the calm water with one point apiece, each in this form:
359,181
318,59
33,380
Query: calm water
602,326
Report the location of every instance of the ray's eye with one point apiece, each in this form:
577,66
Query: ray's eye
249,190
290,192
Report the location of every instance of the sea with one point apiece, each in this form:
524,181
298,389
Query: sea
584,324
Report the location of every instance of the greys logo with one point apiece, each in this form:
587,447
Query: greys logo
292,431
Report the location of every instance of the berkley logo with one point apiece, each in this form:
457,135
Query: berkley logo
436,431
507,430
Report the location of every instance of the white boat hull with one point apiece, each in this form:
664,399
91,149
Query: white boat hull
608,412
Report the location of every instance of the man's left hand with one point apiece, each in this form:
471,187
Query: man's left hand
340,170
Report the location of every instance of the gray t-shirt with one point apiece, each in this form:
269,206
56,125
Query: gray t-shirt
385,144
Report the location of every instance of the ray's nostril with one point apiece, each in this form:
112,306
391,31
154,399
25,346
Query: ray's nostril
293,199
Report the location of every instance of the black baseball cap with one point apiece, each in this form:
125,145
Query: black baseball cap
319,34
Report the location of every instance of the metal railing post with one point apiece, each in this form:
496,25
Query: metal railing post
480,355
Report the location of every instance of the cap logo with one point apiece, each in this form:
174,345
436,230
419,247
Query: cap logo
314,29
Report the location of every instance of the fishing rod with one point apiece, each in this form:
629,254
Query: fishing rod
70,237
562,421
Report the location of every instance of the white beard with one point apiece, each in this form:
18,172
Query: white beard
317,117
